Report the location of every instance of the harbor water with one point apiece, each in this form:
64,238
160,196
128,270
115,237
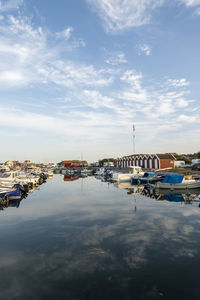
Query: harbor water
87,239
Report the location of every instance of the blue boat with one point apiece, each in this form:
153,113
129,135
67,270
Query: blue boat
14,203
11,193
142,179
155,179
174,197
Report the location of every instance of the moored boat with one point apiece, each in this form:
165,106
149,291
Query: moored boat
11,193
177,181
126,177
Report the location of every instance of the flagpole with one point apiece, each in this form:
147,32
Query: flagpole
133,139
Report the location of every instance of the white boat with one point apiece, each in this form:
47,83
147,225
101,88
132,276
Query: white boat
126,177
4,168
99,172
13,177
24,177
8,177
86,171
177,182
48,172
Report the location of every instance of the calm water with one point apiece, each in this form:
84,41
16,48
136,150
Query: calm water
87,239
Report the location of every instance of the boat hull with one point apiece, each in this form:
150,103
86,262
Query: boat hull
178,186
11,194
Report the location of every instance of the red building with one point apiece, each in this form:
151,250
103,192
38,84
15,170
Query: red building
147,161
75,163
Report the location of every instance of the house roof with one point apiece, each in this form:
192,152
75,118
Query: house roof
166,156
160,156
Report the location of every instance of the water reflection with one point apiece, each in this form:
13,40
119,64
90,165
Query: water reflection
91,245
4,203
71,177
183,196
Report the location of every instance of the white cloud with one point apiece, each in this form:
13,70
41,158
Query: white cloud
119,15
155,103
9,5
95,99
102,101
69,74
187,119
74,42
178,82
181,102
78,42
191,3
116,59
26,47
66,33
11,78
144,49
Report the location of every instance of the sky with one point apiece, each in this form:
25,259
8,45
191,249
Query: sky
76,75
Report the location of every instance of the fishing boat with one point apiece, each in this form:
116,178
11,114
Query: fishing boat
177,181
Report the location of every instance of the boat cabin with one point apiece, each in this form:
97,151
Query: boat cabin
135,170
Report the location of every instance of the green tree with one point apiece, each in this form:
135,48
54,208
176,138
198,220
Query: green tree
101,162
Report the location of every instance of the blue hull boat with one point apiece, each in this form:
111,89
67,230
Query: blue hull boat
143,179
148,178
10,194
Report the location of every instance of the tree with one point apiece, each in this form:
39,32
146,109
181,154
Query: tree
106,160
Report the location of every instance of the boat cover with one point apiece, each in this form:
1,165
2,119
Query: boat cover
174,197
148,174
173,178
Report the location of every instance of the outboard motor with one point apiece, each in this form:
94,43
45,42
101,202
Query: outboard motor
26,188
23,189
30,185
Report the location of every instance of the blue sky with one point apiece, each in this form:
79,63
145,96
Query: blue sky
76,75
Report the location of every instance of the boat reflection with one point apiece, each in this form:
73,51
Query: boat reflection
71,177
3,203
183,196
14,203
132,189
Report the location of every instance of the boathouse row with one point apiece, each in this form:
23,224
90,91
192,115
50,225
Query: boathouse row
147,161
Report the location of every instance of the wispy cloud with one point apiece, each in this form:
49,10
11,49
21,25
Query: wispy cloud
187,119
144,49
191,3
26,58
119,15
101,100
9,5
66,33
116,59
195,4
178,82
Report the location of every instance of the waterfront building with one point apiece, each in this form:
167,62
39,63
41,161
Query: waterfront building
147,161
75,163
